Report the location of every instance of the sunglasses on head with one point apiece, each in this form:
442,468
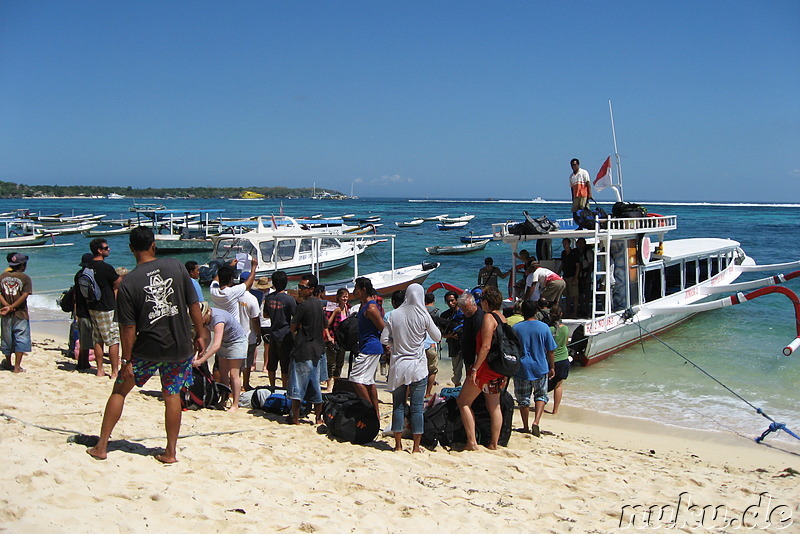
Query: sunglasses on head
301,286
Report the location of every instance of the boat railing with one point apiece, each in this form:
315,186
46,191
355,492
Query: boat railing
654,223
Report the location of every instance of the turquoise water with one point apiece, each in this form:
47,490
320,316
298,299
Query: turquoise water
740,345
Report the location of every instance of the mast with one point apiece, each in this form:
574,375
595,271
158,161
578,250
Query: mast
618,187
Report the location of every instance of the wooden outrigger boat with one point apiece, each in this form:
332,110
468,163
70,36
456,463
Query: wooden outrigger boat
459,249
452,226
473,238
463,218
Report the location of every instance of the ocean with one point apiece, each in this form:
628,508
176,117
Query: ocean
740,345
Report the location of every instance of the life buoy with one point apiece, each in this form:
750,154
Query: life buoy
644,250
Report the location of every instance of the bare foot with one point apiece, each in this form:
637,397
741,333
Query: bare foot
19,370
416,450
113,376
234,408
97,454
101,374
492,447
398,449
164,459
472,448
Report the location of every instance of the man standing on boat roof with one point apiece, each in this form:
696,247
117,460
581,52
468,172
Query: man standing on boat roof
581,185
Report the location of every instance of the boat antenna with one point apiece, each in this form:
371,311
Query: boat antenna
618,187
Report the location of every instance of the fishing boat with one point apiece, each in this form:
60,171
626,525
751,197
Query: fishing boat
463,218
451,226
435,218
459,249
107,230
19,233
185,230
473,238
409,224
385,282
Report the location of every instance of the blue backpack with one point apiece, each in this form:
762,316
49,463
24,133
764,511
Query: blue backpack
87,284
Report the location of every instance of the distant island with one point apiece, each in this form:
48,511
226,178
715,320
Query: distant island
14,190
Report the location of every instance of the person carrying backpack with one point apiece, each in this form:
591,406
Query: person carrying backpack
101,310
84,320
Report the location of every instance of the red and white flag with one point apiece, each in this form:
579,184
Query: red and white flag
603,179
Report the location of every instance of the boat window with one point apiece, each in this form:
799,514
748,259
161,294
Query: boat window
703,270
227,248
267,248
286,249
653,289
672,279
691,273
305,245
329,243
714,265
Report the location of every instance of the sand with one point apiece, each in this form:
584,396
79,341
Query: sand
248,471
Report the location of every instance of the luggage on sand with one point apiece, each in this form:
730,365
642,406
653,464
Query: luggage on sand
350,418
443,422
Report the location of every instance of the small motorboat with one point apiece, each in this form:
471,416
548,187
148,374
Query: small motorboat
436,217
463,218
452,226
473,238
414,222
458,249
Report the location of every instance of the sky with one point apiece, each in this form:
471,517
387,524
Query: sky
411,99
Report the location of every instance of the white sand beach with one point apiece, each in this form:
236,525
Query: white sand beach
250,472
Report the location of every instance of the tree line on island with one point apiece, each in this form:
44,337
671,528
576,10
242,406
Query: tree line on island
14,190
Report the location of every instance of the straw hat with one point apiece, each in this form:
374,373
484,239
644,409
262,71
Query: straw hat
263,283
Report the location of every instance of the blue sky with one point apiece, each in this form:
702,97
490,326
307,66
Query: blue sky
406,99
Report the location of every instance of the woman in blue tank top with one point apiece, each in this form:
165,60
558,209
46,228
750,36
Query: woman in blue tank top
370,349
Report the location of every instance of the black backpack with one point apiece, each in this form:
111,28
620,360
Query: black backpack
204,392
533,226
67,300
443,422
347,334
350,418
587,218
628,210
506,350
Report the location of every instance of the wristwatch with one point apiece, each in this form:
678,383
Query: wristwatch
125,362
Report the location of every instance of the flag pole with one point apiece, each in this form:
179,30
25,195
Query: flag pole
616,153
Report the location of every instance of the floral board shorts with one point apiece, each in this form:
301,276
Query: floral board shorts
174,375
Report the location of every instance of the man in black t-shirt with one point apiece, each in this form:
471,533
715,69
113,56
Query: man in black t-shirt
104,330
154,304
569,272
280,308
309,345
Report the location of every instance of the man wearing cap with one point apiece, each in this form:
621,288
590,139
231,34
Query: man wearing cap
85,331
469,304
15,286
551,286
104,330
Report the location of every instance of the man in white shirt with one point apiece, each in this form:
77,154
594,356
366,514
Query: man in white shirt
550,285
224,294
581,185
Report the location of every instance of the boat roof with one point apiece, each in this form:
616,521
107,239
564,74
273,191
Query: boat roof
619,228
678,249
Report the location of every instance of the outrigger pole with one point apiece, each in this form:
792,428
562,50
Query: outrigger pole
618,187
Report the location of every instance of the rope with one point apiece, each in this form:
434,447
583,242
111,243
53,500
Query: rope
76,433
774,425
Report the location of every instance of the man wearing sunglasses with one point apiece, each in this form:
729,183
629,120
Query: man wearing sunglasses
104,330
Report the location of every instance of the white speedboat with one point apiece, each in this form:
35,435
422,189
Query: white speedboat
452,226
286,244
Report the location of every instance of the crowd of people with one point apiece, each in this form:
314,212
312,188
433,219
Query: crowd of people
155,320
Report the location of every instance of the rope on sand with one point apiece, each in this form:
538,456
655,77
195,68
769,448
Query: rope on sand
75,433
774,425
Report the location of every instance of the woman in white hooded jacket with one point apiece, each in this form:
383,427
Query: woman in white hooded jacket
405,332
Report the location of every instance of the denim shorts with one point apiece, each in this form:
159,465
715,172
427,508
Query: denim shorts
16,335
234,350
302,377
525,389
